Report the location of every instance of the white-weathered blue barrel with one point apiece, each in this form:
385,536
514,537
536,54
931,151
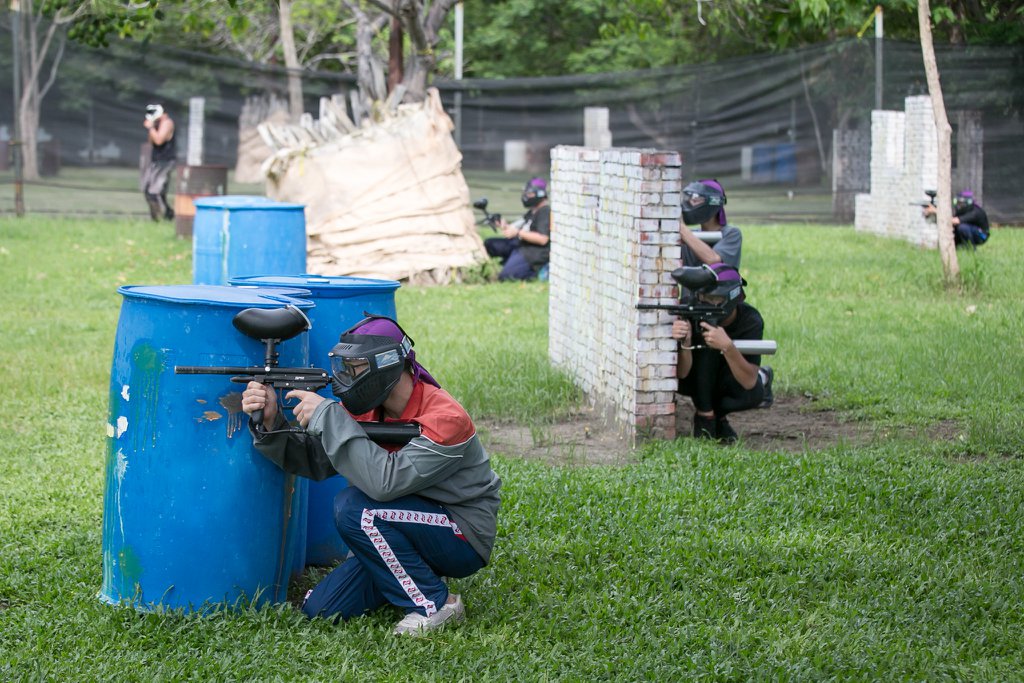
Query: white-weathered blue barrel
194,516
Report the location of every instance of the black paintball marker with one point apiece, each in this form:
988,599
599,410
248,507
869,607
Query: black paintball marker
931,199
931,202
491,219
694,279
273,326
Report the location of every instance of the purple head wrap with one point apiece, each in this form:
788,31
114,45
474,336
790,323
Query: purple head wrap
712,183
726,273
385,327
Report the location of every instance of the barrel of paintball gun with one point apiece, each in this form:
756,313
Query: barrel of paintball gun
399,433
756,347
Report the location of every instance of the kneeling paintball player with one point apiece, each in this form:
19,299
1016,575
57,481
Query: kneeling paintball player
411,514
712,372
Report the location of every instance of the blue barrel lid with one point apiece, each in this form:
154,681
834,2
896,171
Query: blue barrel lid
239,202
295,292
214,295
325,286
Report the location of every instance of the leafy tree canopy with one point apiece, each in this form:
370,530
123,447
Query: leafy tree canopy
507,38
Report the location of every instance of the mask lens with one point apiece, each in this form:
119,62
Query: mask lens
713,299
695,200
348,370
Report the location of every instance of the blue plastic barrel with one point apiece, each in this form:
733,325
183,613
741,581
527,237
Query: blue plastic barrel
237,235
785,163
193,515
340,303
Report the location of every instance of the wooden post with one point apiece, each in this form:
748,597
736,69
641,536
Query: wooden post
395,66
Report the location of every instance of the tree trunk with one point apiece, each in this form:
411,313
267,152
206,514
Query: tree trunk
291,60
424,33
27,109
396,49
419,67
944,200
420,22
28,120
33,48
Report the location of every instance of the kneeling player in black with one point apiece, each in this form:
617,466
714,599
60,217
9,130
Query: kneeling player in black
713,373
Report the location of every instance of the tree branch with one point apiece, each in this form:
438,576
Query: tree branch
382,5
54,64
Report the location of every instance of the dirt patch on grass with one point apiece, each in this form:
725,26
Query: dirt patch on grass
792,424
582,439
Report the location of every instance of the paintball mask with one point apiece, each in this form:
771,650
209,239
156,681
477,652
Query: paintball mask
365,368
717,285
535,192
702,200
154,111
965,198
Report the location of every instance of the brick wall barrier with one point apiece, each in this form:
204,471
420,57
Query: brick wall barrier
615,240
904,163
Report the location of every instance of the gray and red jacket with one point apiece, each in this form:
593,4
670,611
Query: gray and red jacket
446,463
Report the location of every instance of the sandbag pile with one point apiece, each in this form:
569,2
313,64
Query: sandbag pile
386,199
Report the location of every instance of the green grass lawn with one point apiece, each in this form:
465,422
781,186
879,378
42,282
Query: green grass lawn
900,560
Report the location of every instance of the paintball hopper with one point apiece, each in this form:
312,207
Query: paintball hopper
695,277
278,324
491,219
930,201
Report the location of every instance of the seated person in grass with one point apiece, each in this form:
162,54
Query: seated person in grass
704,205
970,222
526,247
711,370
411,514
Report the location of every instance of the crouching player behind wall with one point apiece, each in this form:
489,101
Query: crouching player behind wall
411,514
711,370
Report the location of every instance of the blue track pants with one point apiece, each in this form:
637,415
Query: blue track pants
400,548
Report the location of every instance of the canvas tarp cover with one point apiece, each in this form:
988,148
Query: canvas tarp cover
387,201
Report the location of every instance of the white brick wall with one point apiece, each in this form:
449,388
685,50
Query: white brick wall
615,240
904,163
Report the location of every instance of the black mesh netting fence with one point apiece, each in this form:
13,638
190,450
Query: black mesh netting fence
766,123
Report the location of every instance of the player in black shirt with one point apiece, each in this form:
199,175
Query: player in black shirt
970,222
526,247
715,375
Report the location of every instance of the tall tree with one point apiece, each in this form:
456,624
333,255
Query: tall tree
40,50
291,58
44,28
944,214
421,22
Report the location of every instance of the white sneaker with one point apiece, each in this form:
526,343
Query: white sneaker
415,624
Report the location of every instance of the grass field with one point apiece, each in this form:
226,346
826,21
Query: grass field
900,560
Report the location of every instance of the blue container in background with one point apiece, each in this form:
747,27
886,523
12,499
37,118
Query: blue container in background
237,235
785,163
340,304
193,515
773,163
